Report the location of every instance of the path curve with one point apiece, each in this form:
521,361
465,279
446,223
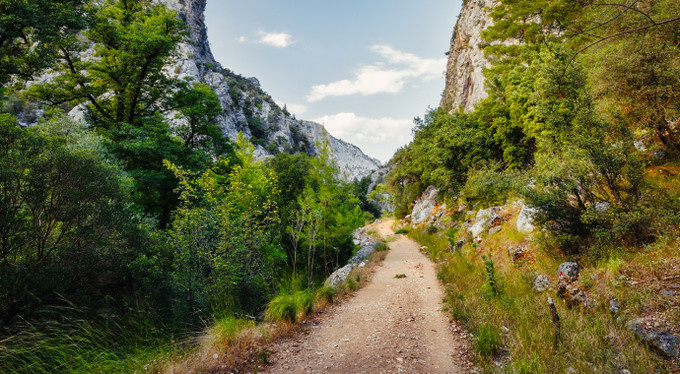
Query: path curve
389,326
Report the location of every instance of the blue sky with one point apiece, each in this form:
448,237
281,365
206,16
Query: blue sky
364,69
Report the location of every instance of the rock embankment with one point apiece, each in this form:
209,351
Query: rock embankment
367,246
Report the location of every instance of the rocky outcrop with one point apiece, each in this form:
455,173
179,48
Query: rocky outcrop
424,206
465,69
249,109
486,219
246,107
525,220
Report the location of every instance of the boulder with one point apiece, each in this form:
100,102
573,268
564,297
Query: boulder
541,283
570,270
477,229
424,206
665,343
339,275
614,307
363,253
602,206
494,230
483,220
525,220
517,253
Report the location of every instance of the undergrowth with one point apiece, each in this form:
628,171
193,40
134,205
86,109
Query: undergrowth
493,298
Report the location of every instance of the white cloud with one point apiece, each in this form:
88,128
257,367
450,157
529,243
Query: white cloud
388,76
275,39
378,137
242,39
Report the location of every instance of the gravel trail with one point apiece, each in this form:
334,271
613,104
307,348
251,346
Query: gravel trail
392,325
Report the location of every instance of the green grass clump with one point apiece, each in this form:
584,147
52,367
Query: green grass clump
228,328
401,231
290,307
400,276
324,294
488,340
382,247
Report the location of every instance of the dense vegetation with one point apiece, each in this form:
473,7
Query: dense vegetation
564,109
118,235
581,123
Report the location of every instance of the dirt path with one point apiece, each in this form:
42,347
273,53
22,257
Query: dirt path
390,326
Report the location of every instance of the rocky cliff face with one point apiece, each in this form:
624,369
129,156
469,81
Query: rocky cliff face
249,109
464,72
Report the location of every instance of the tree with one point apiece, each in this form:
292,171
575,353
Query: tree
65,229
123,81
31,32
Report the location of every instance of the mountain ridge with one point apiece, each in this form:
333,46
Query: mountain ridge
247,108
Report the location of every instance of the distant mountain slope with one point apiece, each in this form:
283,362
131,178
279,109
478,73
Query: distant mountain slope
248,108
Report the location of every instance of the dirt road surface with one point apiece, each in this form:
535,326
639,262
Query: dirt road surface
392,325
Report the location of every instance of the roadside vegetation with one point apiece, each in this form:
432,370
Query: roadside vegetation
581,124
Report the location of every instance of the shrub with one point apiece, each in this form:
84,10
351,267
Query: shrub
489,185
431,229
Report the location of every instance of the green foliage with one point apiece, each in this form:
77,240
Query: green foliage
493,287
401,231
292,303
488,186
487,340
32,31
382,247
65,227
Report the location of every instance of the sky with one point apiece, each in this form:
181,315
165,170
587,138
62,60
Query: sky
363,69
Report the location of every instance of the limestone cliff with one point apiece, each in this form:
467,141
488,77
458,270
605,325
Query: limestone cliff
464,72
248,108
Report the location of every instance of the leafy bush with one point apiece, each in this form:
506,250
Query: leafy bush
489,185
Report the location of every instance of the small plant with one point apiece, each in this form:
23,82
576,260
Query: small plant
325,294
432,229
382,247
263,356
352,284
488,340
492,287
399,276
401,231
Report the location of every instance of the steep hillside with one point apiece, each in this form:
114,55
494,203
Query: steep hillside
464,72
248,108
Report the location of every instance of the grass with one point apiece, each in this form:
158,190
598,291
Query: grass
83,344
401,231
382,247
518,319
